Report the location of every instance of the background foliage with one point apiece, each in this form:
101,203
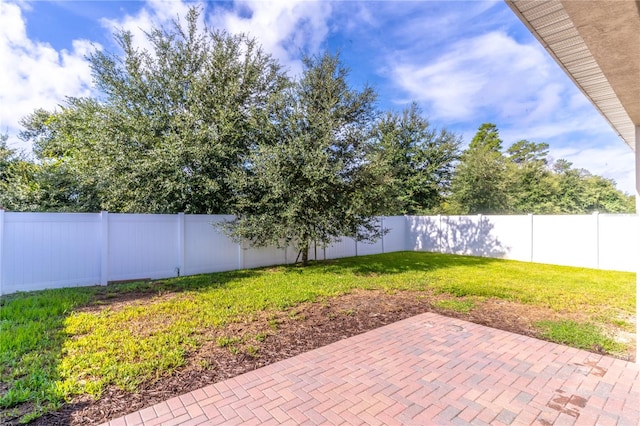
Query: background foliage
313,182
205,122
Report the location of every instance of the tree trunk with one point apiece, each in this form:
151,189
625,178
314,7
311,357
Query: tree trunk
305,253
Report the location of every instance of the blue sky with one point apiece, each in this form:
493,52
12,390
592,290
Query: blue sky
463,62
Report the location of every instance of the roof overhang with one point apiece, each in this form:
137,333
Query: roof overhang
597,43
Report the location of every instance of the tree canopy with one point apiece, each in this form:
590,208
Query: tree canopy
416,160
479,184
524,180
487,138
170,125
312,182
203,121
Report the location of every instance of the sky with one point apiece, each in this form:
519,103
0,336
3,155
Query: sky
463,62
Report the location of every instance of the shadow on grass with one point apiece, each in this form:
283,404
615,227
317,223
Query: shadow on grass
399,262
33,337
144,290
33,324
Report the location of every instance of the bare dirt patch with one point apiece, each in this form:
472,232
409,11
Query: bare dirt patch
273,336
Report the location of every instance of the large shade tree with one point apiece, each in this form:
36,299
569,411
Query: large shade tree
311,182
479,184
416,161
170,124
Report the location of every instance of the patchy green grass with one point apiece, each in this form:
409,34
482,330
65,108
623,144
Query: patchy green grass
32,334
456,305
579,335
53,350
225,342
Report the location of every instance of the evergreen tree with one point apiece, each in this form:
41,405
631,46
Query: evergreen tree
487,137
417,161
529,180
311,182
170,125
480,181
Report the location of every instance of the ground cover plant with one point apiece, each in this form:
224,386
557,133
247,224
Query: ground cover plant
86,355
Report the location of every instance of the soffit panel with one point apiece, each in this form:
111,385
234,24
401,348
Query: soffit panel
597,43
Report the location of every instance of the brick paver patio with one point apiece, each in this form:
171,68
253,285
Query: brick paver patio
428,369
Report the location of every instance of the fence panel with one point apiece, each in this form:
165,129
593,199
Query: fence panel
618,249
509,237
143,246
423,233
206,248
367,248
254,257
50,250
346,247
396,238
569,240
463,235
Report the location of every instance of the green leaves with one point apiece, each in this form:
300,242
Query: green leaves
487,138
480,184
203,121
171,124
415,161
310,183
486,181
18,189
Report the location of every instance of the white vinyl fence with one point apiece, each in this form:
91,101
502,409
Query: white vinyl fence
50,250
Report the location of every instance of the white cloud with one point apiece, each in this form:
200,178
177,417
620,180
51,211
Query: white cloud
155,13
39,76
493,77
34,74
491,71
284,28
613,160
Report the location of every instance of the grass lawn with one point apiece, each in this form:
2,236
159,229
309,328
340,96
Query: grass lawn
57,344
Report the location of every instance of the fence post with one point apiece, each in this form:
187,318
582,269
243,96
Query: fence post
104,262
479,234
382,231
180,268
1,246
530,237
439,235
240,256
596,215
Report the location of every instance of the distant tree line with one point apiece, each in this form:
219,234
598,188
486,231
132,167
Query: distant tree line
206,122
523,179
